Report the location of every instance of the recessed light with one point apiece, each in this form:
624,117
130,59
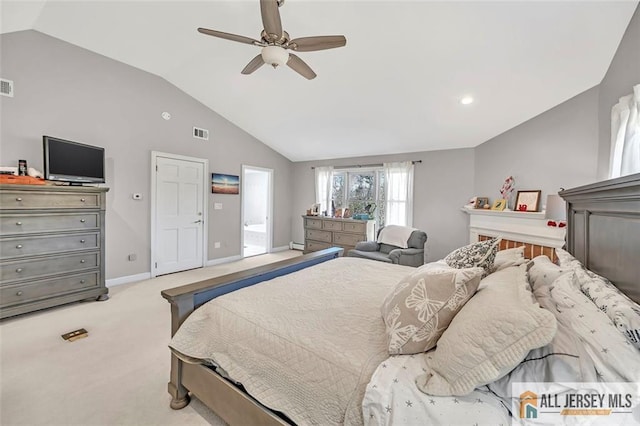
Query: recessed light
466,100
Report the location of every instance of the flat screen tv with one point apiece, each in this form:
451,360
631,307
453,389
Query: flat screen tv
72,162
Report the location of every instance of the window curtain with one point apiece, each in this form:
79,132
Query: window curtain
625,135
324,178
399,193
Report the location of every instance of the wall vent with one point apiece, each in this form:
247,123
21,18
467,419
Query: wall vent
6,87
199,133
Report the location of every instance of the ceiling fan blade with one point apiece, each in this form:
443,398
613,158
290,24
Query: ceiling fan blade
271,19
309,44
255,63
299,66
227,36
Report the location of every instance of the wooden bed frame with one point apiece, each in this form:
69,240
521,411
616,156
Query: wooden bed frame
603,233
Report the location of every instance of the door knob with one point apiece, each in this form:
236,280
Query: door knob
198,221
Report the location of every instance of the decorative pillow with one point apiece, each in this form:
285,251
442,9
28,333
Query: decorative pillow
480,254
615,358
423,304
508,257
488,338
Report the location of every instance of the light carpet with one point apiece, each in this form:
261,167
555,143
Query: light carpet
116,376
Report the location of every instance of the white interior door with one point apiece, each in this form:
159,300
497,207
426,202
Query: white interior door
179,214
257,193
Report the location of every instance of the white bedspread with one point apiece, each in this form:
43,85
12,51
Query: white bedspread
306,343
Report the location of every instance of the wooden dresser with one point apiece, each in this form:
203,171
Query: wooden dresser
51,246
323,232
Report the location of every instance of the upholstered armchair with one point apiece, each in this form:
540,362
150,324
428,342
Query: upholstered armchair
409,253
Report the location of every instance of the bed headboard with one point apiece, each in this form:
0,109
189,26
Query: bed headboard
604,230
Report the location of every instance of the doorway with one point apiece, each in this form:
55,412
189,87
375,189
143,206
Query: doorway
178,213
257,206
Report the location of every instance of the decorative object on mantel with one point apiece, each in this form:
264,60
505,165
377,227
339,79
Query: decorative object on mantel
315,209
556,211
528,201
507,188
481,202
499,204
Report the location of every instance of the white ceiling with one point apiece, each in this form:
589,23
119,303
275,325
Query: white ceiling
394,88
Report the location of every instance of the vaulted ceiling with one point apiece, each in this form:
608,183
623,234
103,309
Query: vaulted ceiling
394,88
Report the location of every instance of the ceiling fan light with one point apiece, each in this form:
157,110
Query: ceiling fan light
274,55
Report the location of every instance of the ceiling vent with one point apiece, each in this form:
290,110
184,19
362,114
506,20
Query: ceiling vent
199,133
6,87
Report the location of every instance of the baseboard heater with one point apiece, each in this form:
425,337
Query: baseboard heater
296,246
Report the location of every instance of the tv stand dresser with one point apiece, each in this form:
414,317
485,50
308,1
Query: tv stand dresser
51,246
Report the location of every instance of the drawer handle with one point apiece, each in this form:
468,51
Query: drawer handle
19,270
19,246
82,261
19,293
83,200
82,281
19,223
82,220
82,241
18,199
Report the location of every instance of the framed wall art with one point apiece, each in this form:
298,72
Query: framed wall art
225,184
528,201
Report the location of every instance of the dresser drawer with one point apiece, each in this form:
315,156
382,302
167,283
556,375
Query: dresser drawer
313,234
354,227
330,224
54,265
12,200
46,288
29,223
313,223
347,239
30,246
315,246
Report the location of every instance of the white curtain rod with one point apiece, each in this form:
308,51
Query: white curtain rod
358,166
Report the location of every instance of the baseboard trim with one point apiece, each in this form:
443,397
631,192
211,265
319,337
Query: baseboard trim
296,246
278,249
128,279
214,262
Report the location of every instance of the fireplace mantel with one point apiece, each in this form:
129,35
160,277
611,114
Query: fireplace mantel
525,227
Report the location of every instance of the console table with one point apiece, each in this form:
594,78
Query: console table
51,246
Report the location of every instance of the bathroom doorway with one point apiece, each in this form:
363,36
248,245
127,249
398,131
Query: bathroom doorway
257,207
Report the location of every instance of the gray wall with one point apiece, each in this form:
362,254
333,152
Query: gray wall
66,91
443,183
623,74
558,148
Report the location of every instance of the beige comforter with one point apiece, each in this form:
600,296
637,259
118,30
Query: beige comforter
306,343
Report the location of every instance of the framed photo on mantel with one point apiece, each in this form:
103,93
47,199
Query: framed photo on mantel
528,201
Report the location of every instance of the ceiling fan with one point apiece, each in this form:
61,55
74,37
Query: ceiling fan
275,42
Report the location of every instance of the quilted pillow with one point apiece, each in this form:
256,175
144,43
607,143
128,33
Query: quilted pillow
480,254
488,338
423,304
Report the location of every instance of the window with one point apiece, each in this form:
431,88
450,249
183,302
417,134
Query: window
355,189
